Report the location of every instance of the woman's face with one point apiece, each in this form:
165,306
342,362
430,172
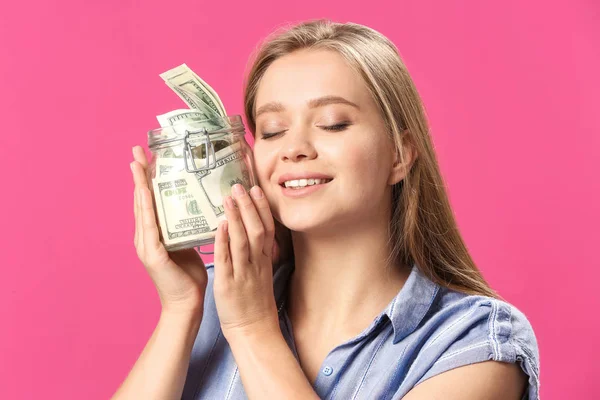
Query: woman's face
326,124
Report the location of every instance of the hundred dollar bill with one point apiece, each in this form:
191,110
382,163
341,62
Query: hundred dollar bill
173,165
169,166
186,119
193,91
183,211
215,183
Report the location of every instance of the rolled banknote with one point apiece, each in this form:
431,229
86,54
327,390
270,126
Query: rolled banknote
193,91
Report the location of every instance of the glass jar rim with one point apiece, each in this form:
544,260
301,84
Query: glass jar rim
234,125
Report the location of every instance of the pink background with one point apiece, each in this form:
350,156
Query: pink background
511,89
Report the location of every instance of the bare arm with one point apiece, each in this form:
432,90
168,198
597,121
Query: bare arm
490,380
180,278
161,369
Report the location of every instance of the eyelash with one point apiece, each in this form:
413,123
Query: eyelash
333,128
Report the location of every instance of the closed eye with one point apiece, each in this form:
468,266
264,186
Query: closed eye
333,128
336,127
267,135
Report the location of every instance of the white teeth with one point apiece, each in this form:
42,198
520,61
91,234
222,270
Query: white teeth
305,182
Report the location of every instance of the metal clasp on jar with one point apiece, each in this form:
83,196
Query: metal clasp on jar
187,150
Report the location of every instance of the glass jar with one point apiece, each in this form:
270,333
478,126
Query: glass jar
194,165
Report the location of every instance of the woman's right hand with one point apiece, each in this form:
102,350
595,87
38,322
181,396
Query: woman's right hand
180,276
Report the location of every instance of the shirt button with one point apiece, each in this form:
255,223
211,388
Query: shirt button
327,371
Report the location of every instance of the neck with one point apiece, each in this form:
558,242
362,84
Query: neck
341,282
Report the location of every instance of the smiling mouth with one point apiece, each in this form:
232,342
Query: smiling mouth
304,183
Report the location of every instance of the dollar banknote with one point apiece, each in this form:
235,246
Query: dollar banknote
193,91
173,165
230,168
183,211
186,119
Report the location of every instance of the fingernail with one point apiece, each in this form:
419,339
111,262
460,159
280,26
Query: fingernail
131,166
238,189
256,192
229,202
225,227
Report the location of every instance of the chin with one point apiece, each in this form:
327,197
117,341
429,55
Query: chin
298,222
305,222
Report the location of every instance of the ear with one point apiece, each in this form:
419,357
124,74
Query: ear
402,165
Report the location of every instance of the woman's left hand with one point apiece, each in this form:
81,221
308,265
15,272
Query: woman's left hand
243,285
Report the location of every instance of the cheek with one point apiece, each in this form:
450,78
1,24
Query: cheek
361,159
364,167
263,166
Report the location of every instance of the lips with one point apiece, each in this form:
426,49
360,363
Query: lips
305,182
297,192
301,175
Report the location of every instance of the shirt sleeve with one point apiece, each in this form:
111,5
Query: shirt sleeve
494,330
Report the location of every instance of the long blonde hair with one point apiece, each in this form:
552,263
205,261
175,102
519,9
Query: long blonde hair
422,229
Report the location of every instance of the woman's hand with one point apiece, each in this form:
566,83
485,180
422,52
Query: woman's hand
180,276
243,284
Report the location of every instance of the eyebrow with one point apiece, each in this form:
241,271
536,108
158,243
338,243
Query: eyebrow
276,106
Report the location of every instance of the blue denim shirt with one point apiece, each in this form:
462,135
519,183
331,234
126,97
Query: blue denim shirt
425,330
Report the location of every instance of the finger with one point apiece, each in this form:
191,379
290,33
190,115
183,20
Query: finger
139,155
224,266
238,243
139,223
253,224
135,212
138,178
139,174
150,229
264,212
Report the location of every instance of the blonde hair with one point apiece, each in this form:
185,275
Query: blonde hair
422,229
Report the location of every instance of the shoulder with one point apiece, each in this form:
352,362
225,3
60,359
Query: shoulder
460,330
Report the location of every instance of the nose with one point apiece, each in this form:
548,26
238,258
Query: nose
297,146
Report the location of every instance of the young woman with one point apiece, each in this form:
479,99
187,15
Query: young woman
357,286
